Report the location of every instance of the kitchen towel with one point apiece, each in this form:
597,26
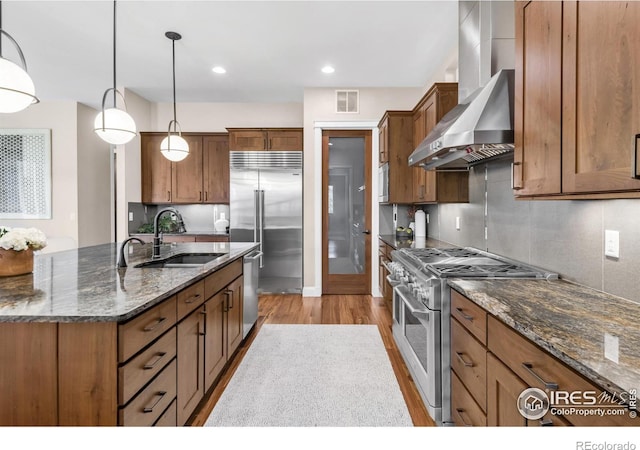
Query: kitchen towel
421,224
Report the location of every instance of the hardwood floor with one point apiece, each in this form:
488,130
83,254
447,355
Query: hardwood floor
328,309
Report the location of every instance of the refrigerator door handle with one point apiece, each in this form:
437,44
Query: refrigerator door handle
261,226
256,212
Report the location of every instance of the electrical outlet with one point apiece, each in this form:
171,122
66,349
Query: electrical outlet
457,223
130,216
427,219
611,346
612,243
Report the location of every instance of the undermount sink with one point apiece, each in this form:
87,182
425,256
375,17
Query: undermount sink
183,260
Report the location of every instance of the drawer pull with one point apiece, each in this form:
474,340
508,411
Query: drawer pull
466,364
151,364
154,325
461,411
465,315
158,396
634,173
192,299
548,385
546,422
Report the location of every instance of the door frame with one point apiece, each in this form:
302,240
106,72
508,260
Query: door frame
318,127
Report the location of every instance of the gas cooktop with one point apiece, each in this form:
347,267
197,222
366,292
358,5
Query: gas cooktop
469,262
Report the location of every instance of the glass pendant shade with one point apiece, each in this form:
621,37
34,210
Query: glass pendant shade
16,87
118,127
174,147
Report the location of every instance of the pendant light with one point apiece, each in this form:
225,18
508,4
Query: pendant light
16,87
114,125
174,147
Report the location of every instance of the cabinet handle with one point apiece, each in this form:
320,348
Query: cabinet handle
634,170
548,385
513,178
151,364
154,325
265,145
158,396
206,196
192,299
168,196
465,316
460,411
466,364
229,293
546,422
200,195
270,144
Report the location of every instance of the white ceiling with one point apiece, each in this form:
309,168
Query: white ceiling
272,50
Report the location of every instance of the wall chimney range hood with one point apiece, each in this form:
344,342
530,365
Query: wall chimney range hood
478,128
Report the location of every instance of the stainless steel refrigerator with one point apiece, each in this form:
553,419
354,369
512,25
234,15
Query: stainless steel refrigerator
266,207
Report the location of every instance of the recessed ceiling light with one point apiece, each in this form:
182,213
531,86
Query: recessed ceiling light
328,69
218,69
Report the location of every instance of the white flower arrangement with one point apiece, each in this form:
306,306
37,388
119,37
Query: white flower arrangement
19,239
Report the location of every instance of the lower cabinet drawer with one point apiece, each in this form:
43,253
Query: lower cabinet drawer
148,405
469,361
142,368
169,418
464,410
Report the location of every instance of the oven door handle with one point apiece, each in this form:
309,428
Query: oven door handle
417,309
393,282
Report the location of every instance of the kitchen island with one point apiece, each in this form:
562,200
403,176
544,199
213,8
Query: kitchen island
85,343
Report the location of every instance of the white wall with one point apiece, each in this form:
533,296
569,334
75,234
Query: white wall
319,106
216,117
95,218
61,117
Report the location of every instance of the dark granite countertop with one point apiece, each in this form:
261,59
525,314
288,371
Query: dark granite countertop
416,242
83,285
570,321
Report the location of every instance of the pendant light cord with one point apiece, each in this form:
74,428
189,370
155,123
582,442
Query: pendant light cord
114,54
173,45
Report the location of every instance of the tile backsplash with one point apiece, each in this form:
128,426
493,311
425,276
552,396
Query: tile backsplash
564,236
197,218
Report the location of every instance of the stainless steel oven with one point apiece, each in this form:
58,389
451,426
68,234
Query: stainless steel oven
421,312
383,183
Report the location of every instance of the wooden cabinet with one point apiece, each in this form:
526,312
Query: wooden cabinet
190,363
258,139
468,362
492,365
384,251
202,177
223,328
431,186
576,116
395,145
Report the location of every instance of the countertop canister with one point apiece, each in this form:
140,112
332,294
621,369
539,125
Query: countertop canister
421,224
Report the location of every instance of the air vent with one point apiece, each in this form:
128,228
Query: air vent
347,101
265,160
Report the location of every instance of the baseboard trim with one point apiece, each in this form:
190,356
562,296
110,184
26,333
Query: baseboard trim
311,291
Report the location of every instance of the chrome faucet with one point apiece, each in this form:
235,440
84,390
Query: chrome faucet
121,259
156,232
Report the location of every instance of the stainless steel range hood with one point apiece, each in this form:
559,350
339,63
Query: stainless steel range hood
478,128
481,125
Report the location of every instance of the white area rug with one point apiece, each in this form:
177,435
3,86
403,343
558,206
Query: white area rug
313,375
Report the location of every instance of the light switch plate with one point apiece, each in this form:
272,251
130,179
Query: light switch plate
612,243
130,216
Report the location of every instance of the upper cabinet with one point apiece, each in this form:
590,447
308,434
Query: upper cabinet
577,112
258,139
431,186
202,177
395,146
